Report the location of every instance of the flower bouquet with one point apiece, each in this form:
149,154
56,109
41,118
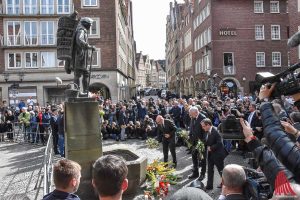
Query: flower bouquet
152,143
159,177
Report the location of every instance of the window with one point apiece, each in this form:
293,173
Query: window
274,6
298,5
228,63
209,35
95,29
259,32
90,2
47,33
61,63
188,61
14,60
30,7
276,59
48,59
258,7
275,32
260,59
96,58
187,38
13,7
31,60
30,33
13,33
63,6
47,7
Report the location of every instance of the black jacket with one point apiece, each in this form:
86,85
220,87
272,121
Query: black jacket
268,162
235,197
176,113
214,140
285,150
168,128
55,195
196,131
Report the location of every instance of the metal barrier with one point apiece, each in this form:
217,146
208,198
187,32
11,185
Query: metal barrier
48,161
20,132
46,176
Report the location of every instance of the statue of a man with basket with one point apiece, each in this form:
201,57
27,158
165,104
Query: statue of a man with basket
73,48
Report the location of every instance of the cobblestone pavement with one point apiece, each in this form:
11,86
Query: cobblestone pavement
184,163
21,164
19,169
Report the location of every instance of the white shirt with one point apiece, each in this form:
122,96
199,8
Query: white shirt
250,117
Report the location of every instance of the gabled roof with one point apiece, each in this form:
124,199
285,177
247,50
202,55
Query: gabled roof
137,59
145,58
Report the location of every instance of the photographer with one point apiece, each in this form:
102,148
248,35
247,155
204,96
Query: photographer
265,157
287,151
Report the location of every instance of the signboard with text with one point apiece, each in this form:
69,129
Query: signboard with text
228,32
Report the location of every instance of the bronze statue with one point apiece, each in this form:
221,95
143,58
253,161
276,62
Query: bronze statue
73,47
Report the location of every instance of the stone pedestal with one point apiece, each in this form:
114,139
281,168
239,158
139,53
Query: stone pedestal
83,139
137,166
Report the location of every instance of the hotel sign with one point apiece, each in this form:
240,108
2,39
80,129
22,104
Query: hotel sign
227,32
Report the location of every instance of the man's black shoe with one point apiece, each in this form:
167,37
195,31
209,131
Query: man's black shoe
209,188
192,176
201,177
175,164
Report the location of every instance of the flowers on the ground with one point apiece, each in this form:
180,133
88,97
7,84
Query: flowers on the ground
159,177
152,143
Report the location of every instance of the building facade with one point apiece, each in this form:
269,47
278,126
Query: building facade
29,58
141,71
162,75
150,73
294,18
231,42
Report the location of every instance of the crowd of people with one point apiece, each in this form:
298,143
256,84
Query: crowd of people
34,123
200,116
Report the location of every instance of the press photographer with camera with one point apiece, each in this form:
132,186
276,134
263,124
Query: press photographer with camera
287,151
288,154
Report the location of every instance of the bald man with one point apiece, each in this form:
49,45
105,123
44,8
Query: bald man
233,180
167,129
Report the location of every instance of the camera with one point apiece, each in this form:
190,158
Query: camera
257,186
231,128
288,81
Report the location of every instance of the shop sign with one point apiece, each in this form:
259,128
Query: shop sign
227,32
100,76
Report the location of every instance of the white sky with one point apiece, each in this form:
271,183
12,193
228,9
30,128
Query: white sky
149,24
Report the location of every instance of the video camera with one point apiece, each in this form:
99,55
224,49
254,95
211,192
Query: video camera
288,81
257,186
231,128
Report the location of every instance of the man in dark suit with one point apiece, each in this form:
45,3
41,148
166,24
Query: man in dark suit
197,133
167,129
233,179
175,113
215,149
251,117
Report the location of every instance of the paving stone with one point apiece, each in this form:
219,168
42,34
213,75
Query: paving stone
21,163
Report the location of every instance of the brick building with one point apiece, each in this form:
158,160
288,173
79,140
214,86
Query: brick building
29,58
233,39
294,18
